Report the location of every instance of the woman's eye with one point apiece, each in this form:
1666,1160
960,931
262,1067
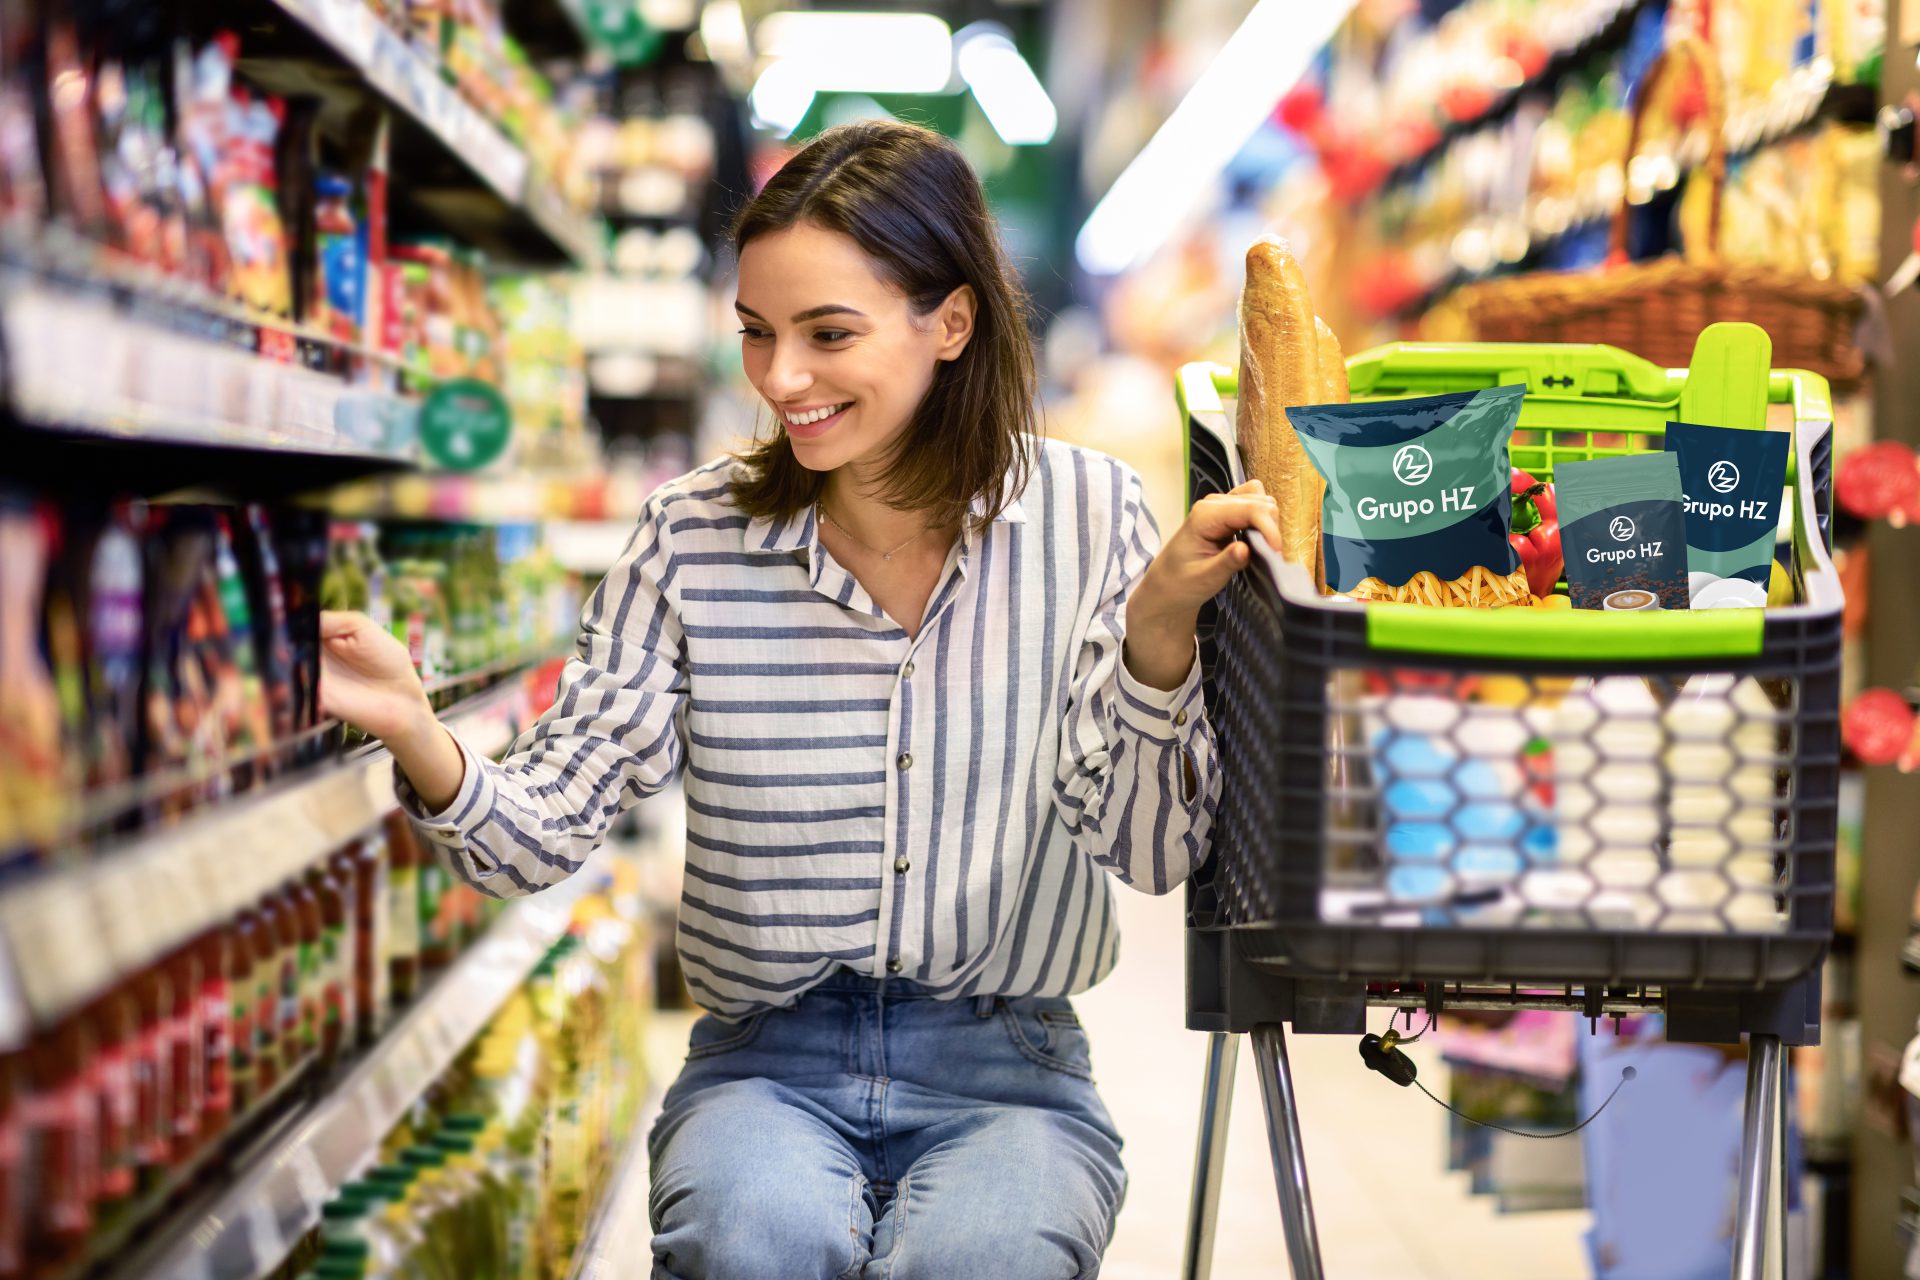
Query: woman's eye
752,334
831,335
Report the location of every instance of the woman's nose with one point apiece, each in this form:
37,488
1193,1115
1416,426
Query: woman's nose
787,373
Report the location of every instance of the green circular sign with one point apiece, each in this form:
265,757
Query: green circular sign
465,423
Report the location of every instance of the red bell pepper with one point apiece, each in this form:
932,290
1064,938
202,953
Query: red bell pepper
1536,533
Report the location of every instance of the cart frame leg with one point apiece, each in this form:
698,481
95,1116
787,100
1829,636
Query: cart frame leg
1210,1154
1289,1157
1760,1227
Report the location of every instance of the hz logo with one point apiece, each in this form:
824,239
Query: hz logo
1723,476
1412,465
1621,528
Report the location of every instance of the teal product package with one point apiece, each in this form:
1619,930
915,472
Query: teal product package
1414,485
1624,532
1733,481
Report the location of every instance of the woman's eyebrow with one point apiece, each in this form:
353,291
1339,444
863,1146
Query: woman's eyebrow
831,309
813,313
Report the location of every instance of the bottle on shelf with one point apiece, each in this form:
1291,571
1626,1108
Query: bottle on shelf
403,909
372,979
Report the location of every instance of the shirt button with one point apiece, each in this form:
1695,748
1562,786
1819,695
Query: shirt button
906,760
906,672
1179,717
894,966
901,865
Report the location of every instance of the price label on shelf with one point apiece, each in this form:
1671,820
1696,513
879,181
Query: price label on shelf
53,934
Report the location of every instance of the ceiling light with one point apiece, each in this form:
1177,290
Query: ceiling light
861,52
1009,94
781,97
1172,174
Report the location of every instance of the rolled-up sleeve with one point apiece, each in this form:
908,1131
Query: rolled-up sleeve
1137,782
615,734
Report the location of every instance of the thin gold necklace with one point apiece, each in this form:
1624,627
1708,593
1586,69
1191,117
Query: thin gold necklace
884,555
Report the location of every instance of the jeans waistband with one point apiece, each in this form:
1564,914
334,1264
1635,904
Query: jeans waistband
847,982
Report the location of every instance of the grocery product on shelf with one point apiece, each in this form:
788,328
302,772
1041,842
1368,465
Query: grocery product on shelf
497,1167
169,654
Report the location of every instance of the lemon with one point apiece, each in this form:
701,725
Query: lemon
1779,585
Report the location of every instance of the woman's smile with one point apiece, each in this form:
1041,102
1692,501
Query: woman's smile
812,422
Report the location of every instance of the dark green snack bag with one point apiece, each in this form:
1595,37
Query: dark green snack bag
1415,487
1623,528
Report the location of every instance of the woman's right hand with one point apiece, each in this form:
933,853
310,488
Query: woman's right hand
367,678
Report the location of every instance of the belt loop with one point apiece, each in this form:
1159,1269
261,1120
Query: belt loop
983,1006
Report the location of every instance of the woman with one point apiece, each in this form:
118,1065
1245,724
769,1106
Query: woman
926,681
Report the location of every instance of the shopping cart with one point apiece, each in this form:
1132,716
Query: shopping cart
1445,809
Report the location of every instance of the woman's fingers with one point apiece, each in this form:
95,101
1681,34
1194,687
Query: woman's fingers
1218,518
335,623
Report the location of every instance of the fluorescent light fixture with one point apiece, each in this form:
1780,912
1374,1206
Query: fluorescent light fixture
723,30
1009,94
1256,67
781,96
861,52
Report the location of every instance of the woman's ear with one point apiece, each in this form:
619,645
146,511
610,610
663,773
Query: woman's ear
955,321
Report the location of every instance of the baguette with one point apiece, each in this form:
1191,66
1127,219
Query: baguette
1279,368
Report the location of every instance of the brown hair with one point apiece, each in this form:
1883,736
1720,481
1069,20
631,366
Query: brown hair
907,197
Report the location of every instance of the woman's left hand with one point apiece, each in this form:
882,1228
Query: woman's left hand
1192,568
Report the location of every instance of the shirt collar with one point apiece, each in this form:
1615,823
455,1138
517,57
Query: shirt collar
797,532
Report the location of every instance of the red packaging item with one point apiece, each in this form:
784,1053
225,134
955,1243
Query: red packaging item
153,1076
216,1034
1880,482
60,1119
1878,726
186,1076
116,1028
13,1166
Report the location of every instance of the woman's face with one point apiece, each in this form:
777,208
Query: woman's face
835,349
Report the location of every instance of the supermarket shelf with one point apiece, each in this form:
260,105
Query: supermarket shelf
587,546
71,932
1606,36
1808,96
620,1232
277,1190
1809,99
104,360
509,497
383,61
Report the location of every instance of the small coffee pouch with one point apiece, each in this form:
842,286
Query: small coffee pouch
1733,480
1623,529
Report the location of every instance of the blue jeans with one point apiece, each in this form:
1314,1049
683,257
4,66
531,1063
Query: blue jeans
872,1132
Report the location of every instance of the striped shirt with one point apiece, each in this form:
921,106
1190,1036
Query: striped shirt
938,807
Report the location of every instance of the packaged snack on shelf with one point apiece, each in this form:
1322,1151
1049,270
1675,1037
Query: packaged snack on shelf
1418,501
1733,481
1623,527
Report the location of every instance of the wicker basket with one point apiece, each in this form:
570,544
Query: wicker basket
1657,309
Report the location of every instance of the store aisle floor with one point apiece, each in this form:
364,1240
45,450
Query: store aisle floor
1375,1153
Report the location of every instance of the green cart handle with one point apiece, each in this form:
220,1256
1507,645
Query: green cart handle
1577,381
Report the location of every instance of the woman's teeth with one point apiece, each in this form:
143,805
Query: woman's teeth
818,415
